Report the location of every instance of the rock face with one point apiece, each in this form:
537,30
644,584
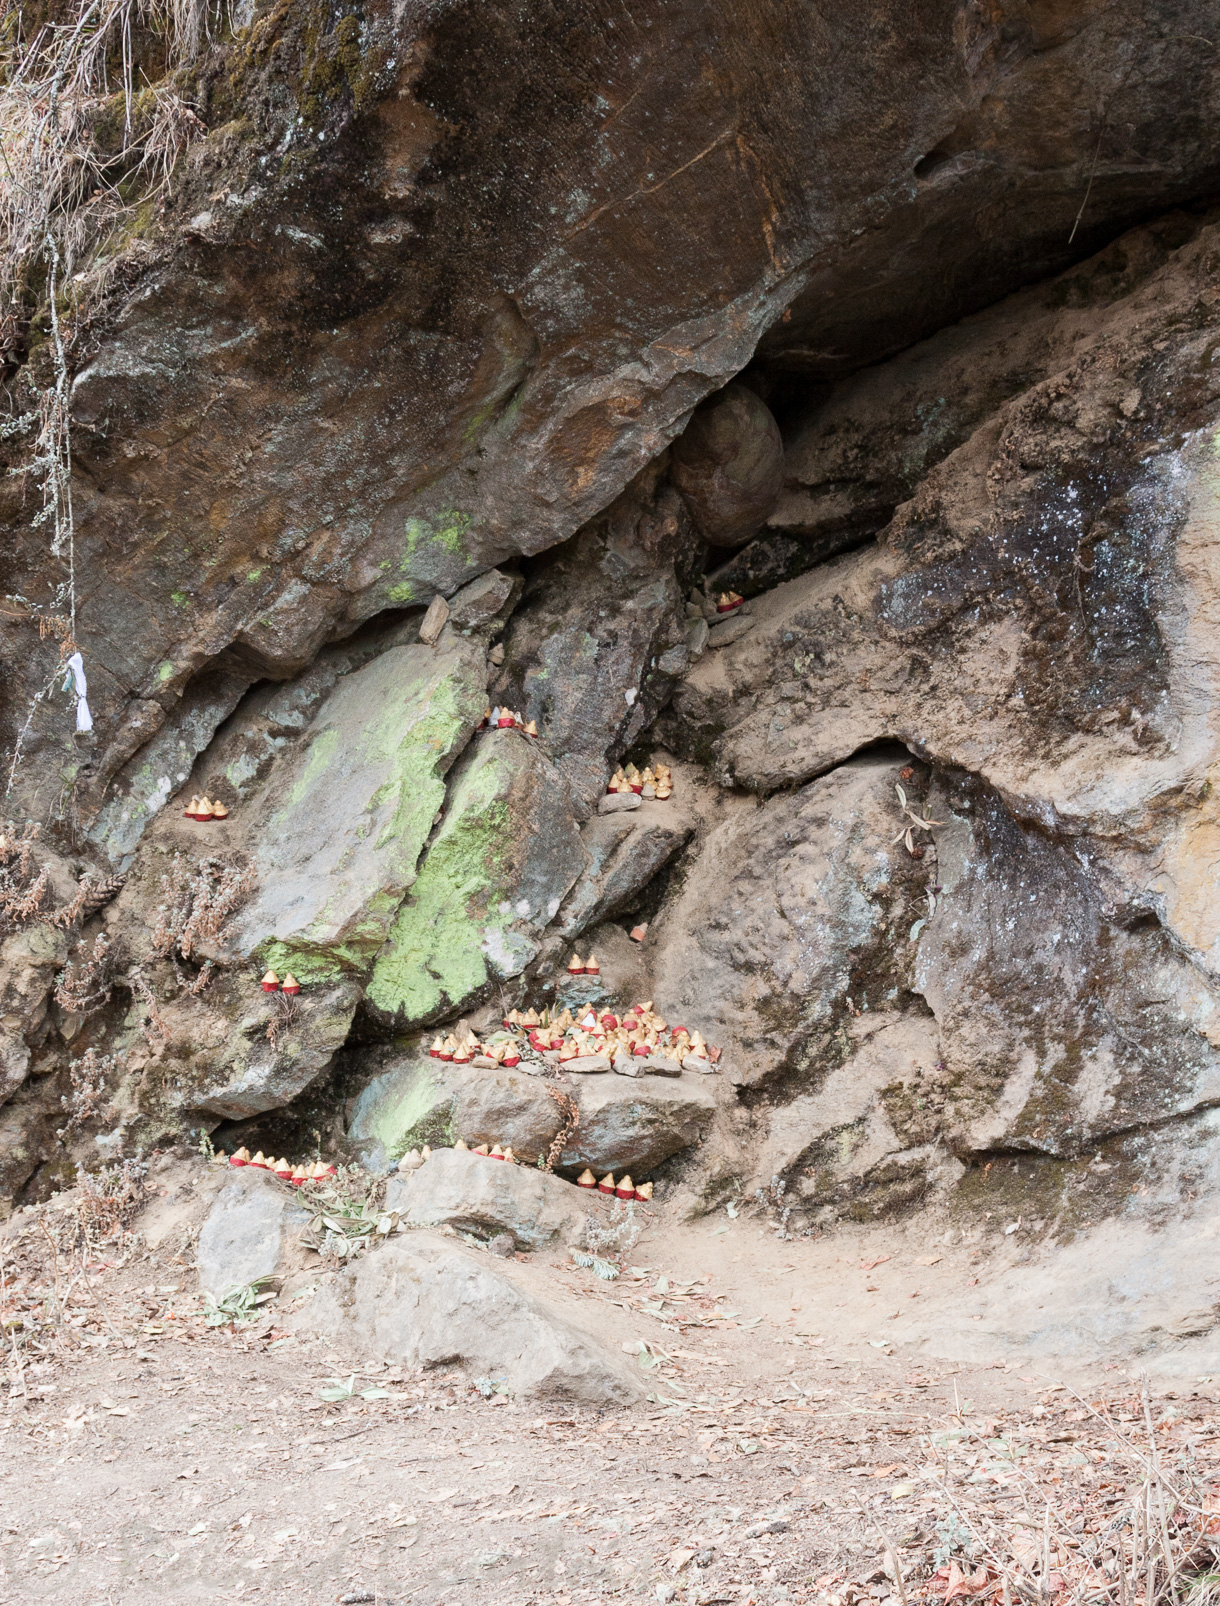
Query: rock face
337,834
625,1122
476,1194
423,1301
862,1144
633,1124
1036,633
794,914
563,324
592,653
955,893
625,851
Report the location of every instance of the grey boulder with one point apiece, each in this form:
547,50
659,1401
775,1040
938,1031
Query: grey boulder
476,1194
587,1064
424,1301
728,464
244,1235
419,1100
724,635
634,1123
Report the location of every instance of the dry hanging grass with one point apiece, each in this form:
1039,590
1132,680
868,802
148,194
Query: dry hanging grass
82,146
23,883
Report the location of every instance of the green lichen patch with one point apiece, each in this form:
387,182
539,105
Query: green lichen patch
434,958
496,872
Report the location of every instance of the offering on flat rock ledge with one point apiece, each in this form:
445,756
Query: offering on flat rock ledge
624,1191
656,781
507,719
271,982
315,1171
594,1039
728,602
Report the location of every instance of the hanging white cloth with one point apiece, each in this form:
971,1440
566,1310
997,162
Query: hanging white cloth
84,719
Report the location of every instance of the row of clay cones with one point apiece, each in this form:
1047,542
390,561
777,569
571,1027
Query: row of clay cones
729,602
200,809
271,983
654,782
462,1051
298,1175
506,719
580,967
624,1189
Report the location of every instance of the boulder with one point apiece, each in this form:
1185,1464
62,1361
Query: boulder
336,836
477,1194
731,630
728,464
494,876
228,1065
329,837
244,1234
422,1300
483,603
417,1100
633,1124
586,1064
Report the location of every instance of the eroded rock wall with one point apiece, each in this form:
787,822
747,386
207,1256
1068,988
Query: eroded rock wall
938,875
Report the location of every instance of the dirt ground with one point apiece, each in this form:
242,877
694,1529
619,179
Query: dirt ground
785,1453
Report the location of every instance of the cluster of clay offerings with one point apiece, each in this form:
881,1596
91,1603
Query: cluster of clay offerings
656,781
640,1033
199,808
501,1048
505,719
271,983
584,967
624,1190
297,1175
728,602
